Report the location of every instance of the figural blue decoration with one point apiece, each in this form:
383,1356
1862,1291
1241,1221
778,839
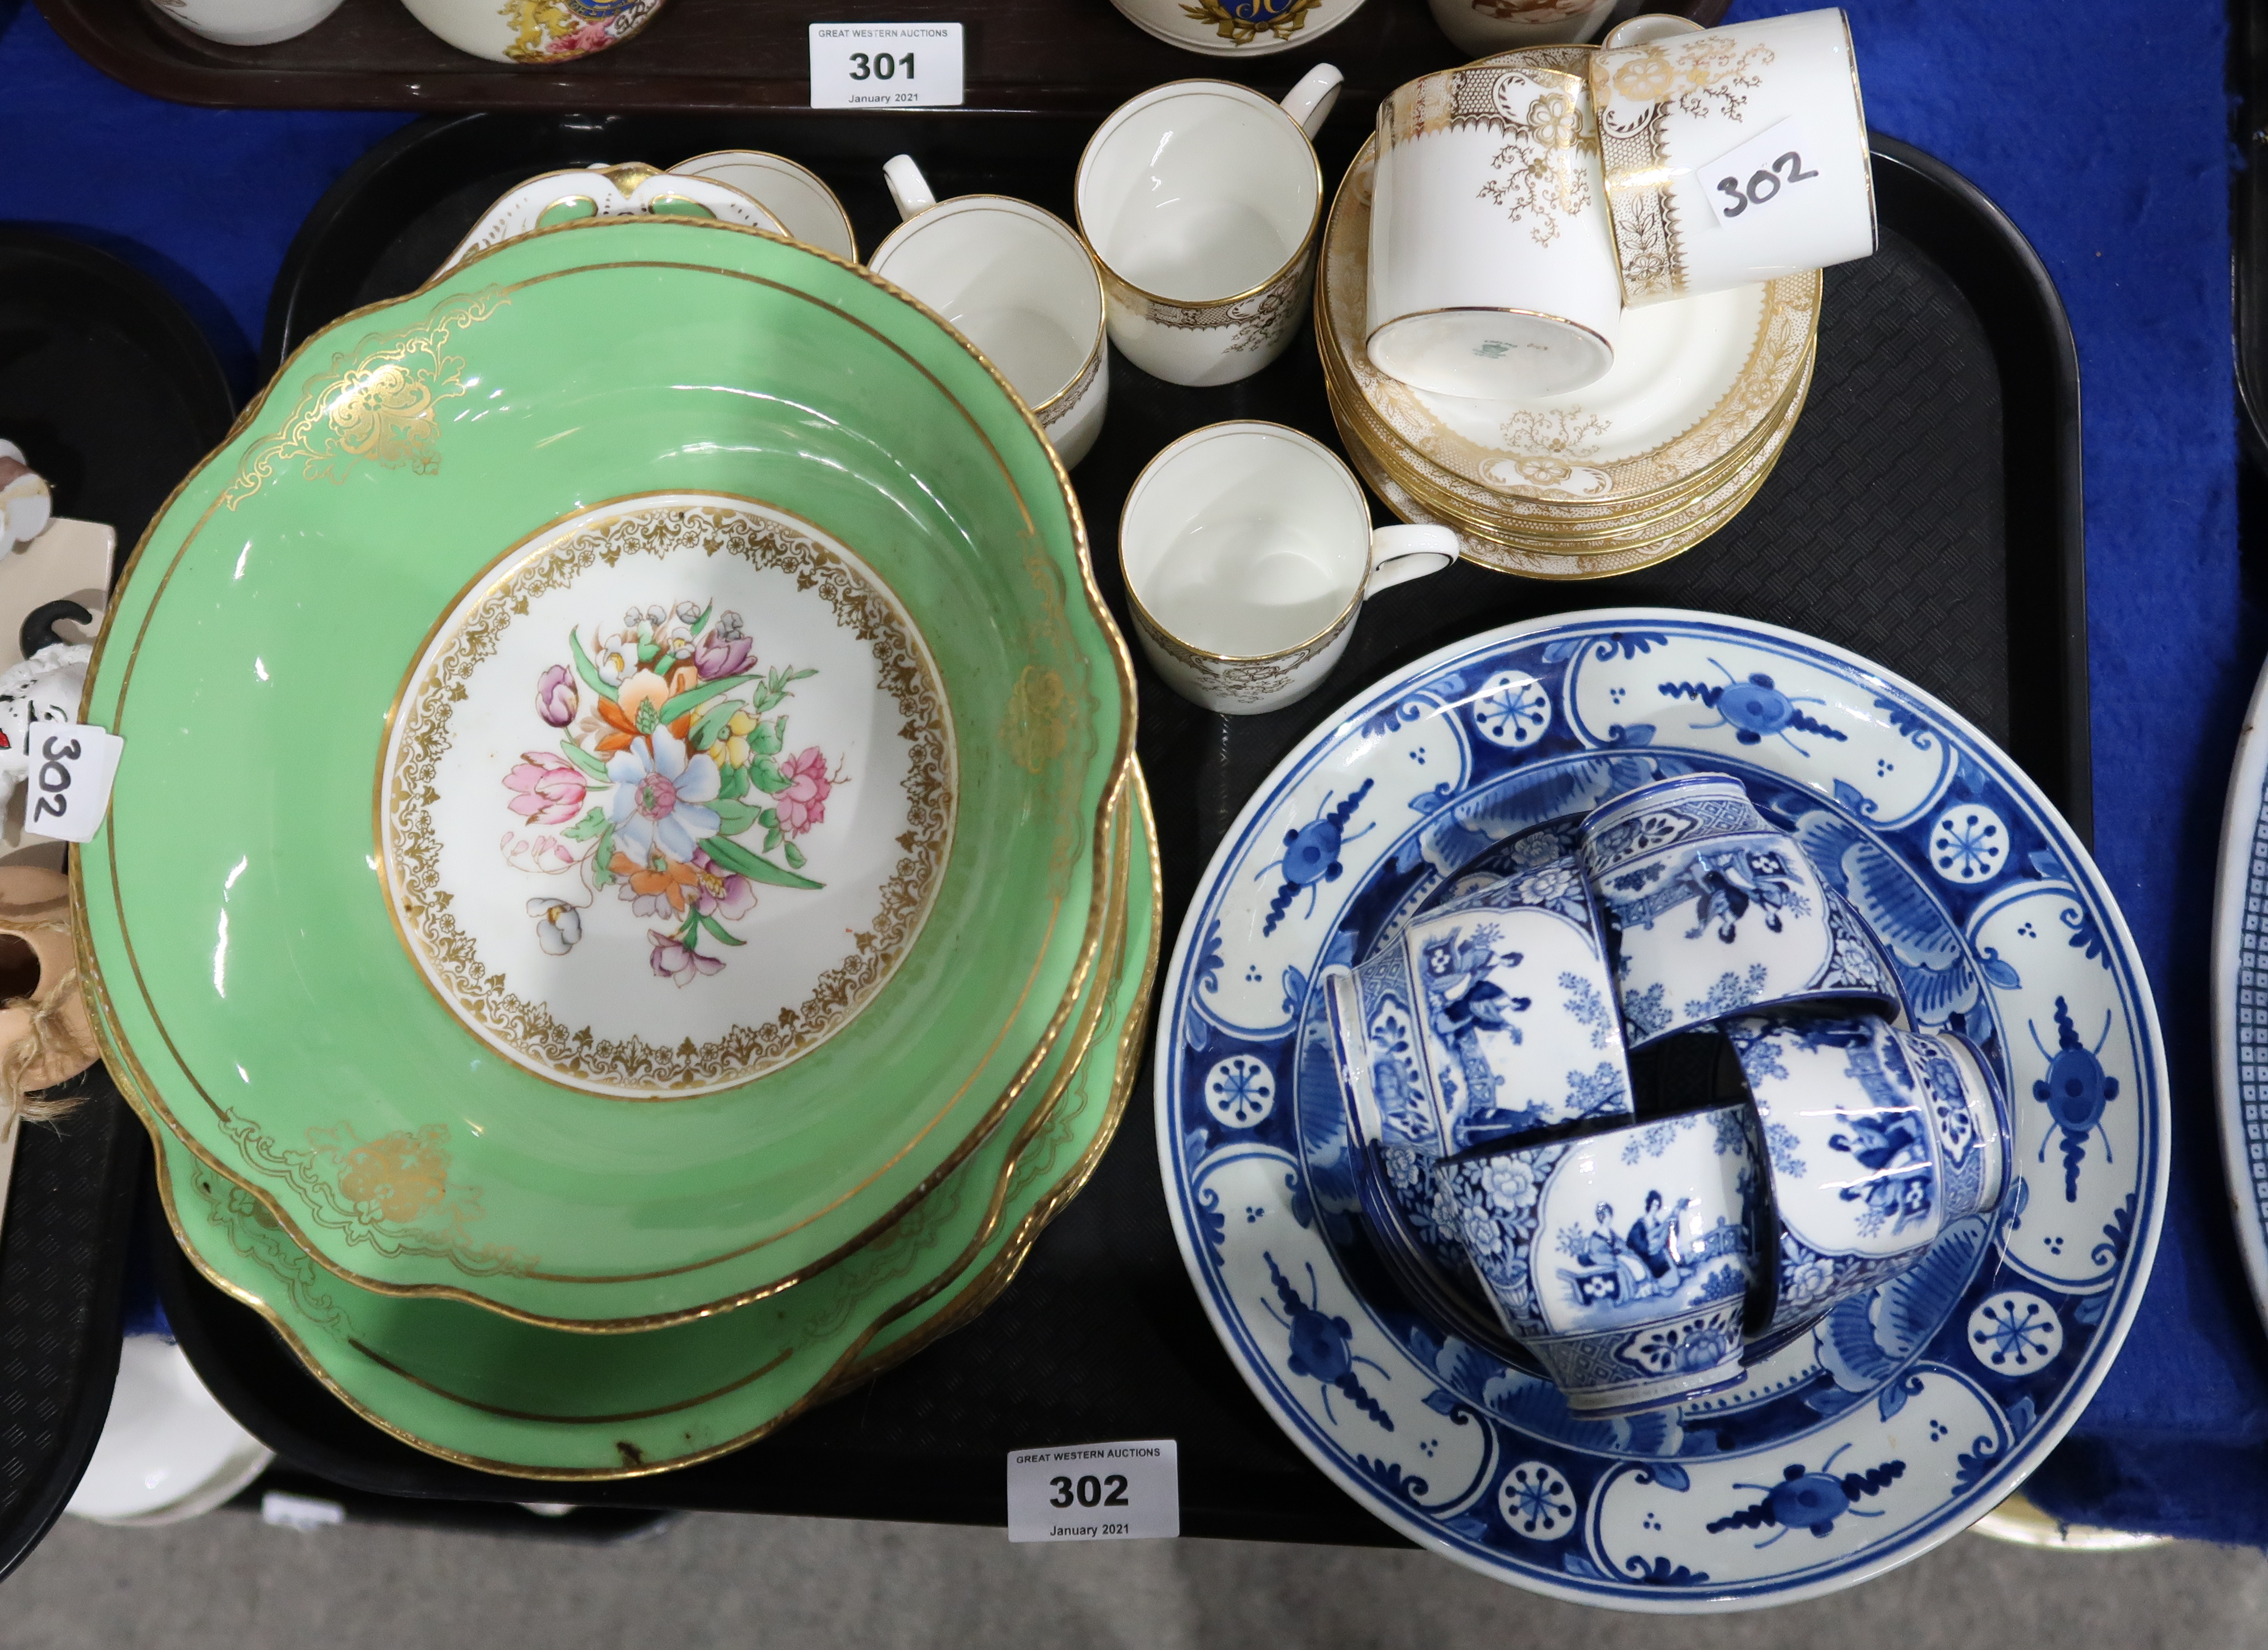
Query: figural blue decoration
1899,1411
1714,911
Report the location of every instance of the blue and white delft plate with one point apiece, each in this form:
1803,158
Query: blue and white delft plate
1913,1408
2240,993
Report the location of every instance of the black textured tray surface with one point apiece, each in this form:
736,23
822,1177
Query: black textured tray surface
1925,514
113,393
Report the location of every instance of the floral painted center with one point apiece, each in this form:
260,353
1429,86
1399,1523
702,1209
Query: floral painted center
676,785
755,751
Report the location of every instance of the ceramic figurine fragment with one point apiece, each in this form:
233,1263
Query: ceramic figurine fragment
24,504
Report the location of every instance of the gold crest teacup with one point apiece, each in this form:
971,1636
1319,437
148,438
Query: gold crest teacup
1491,268
1733,155
1201,200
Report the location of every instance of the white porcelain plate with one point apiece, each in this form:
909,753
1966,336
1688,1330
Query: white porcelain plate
2239,994
1909,1413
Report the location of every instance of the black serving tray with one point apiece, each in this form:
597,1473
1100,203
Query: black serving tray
113,394
1926,513
2247,183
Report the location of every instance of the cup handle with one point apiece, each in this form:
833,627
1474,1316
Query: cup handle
909,191
1405,551
1309,103
1647,28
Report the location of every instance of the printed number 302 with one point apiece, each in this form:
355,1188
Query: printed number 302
1763,184
55,779
1088,1492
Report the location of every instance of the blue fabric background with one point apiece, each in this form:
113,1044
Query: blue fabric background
2103,133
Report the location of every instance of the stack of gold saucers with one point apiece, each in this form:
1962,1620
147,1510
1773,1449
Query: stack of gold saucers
628,900
1625,472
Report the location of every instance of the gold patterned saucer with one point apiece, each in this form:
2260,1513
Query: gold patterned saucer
1492,546
1488,514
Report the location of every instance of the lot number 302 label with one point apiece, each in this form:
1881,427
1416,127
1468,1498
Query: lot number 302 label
68,787
1096,1492
1750,182
886,65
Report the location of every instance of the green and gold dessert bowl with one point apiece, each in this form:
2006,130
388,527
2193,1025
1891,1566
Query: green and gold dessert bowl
617,749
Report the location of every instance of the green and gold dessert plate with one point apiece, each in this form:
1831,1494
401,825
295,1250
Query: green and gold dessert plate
484,1390
617,748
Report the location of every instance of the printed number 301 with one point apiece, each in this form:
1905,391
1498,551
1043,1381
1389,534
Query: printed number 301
1762,184
55,779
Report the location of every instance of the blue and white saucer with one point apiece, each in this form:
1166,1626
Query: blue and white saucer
1911,1412
2240,993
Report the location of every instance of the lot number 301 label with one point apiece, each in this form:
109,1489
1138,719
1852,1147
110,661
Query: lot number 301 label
885,65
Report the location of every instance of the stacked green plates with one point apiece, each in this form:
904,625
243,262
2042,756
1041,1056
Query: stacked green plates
486,1391
628,901
619,746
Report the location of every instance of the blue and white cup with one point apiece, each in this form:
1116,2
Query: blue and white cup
1622,1259
1877,1140
1712,912
1488,1018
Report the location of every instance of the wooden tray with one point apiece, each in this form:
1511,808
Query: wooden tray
1055,57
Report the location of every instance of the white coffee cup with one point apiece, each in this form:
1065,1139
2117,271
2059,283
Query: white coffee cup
793,193
1491,268
248,22
1017,281
1248,553
1202,201
1735,155
1480,28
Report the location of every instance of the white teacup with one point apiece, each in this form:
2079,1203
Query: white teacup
1481,27
1492,267
1019,285
1735,155
1247,552
793,193
248,22
1202,201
